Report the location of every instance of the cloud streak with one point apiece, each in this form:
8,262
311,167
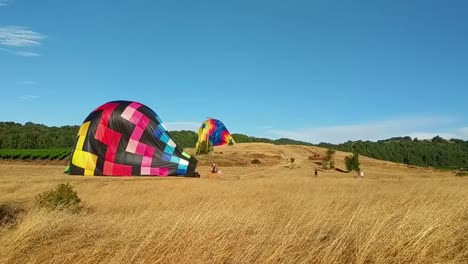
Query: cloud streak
27,82
17,36
27,54
3,3
422,128
21,53
28,98
13,39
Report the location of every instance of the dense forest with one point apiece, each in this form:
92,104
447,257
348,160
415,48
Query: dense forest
436,152
36,136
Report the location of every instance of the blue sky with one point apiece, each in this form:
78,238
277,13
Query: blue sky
322,70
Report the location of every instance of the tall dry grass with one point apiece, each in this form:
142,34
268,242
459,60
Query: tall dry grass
284,217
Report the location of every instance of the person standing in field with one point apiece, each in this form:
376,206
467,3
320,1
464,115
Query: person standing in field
215,172
316,172
214,168
361,174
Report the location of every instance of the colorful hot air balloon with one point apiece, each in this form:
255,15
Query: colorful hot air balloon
123,138
215,132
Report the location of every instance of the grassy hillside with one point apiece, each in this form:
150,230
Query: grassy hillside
256,214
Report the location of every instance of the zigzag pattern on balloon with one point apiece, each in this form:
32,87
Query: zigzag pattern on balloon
123,138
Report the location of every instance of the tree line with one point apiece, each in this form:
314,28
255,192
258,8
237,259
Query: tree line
188,139
435,152
36,136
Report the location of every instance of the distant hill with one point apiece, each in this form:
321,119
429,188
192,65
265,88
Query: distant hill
188,139
240,138
435,152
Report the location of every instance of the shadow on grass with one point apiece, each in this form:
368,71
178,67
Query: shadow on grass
340,170
9,214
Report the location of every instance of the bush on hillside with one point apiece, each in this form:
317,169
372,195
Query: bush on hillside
352,162
63,197
328,162
204,148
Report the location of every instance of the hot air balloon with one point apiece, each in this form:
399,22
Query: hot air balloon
215,132
124,138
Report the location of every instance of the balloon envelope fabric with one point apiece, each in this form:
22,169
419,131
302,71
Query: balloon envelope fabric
124,138
214,131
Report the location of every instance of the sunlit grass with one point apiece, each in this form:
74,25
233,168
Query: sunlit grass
265,215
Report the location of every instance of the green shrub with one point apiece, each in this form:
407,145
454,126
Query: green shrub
328,162
54,156
64,156
63,197
34,154
204,148
352,162
25,156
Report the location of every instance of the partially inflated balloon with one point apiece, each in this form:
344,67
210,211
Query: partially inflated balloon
123,138
215,132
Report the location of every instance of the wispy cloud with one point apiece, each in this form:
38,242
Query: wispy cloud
20,53
3,3
28,98
13,39
27,54
17,36
182,125
426,127
27,82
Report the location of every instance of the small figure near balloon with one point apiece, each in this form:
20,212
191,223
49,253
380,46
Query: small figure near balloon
215,172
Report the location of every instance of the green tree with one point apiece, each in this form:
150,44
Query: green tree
329,162
352,162
184,138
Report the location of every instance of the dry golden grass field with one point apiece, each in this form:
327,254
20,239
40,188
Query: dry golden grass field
265,213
